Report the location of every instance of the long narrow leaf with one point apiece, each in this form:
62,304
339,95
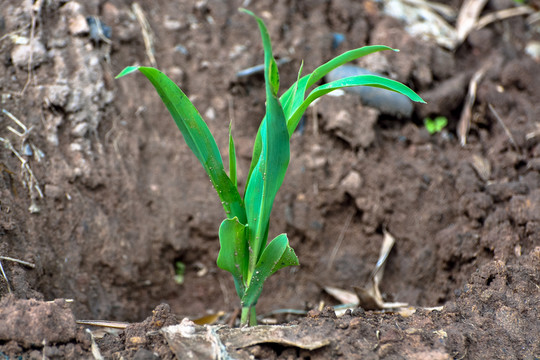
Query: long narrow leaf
285,100
197,136
295,95
360,80
271,73
267,177
232,159
344,58
271,165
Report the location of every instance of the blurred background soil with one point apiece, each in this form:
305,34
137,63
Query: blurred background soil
100,192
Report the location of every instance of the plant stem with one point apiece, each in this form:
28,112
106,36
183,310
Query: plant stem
249,316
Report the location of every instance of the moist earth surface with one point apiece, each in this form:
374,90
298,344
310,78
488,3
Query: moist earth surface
118,221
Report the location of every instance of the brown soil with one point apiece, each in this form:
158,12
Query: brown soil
124,199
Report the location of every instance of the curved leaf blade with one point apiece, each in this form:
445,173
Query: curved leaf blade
360,80
277,255
295,95
127,70
344,58
289,99
267,176
271,164
271,72
197,136
232,159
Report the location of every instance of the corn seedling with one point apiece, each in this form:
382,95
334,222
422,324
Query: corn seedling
245,251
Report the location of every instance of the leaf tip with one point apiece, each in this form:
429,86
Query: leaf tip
126,71
246,11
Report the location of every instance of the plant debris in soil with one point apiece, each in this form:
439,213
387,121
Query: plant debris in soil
103,201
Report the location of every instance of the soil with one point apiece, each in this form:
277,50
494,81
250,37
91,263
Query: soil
106,197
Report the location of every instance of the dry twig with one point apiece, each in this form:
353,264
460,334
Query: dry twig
5,277
94,347
468,17
29,264
503,14
466,114
443,9
14,260
148,35
104,323
13,34
29,180
505,128
340,240
36,11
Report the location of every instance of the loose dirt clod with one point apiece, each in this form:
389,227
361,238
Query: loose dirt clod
35,323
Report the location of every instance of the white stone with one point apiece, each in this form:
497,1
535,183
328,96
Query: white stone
23,54
352,183
78,25
80,130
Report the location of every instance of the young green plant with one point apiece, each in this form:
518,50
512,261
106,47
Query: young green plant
245,251
436,125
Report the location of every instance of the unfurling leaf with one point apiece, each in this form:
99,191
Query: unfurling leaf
197,136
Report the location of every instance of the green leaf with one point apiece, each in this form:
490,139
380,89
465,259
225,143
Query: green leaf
309,80
344,58
232,158
360,80
271,165
197,136
233,254
271,73
277,255
267,177
295,95
126,71
287,100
